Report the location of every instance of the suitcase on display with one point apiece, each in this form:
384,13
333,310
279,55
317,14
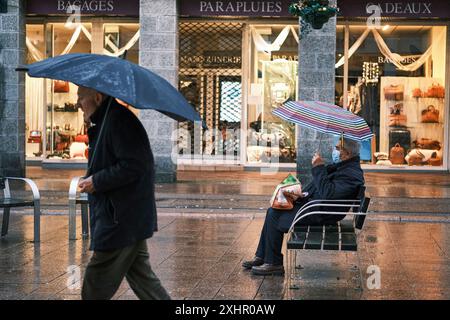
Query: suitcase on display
401,136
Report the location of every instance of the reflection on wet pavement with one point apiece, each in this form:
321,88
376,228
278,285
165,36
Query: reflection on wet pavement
200,259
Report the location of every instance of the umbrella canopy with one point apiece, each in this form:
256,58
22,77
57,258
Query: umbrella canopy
325,118
118,78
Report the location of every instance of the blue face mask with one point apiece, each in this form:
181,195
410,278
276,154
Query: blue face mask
336,156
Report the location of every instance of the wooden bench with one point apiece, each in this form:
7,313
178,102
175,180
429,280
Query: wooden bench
81,199
341,236
9,202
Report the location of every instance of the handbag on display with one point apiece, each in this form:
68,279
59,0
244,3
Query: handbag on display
382,159
60,86
416,158
77,150
396,118
436,91
286,193
429,144
35,136
435,160
70,107
417,93
430,115
394,92
397,154
82,136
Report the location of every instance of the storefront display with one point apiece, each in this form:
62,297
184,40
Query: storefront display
54,123
401,96
413,121
273,77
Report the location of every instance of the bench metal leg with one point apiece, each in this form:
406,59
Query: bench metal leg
72,220
5,223
84,221
37,221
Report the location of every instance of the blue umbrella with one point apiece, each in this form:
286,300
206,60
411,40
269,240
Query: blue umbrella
117,78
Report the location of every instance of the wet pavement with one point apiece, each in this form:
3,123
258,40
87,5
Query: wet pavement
208,225
200,258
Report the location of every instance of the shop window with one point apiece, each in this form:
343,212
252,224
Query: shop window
273,81
55,127
64,121
34,95
121,37
210,79
396,82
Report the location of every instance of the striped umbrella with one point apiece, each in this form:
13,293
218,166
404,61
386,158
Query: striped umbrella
325,118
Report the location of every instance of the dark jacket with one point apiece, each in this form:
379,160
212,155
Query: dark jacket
334,182
122,208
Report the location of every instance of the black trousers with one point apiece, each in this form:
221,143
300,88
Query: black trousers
276,224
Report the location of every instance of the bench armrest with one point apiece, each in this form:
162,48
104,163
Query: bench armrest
325,212
328,203
31,183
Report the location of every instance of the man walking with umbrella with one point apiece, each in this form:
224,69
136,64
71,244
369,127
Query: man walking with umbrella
120,184
120,178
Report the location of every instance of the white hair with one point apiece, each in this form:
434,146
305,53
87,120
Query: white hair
352,146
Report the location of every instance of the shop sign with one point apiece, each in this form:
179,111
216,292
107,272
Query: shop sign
289,56
250,8
407,60
399,8
91,7
211,60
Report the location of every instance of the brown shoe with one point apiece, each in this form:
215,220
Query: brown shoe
252,263
268,270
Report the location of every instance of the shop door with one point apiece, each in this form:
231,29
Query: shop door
210,79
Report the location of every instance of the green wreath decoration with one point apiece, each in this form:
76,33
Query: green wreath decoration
313,12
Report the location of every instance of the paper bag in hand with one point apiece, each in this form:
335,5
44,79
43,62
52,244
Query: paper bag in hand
286,193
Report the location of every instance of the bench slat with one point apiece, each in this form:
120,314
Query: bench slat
347,226
10,202
332,228
315,228
300,228
331,241
297,240
348,241
314,240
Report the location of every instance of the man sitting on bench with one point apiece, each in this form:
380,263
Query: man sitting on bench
338,181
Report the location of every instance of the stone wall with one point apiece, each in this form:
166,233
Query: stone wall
158,51
316,77
12,90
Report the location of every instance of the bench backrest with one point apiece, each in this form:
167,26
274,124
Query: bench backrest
364,205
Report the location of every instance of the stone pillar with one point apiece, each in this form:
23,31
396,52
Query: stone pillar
12,90
158,51
316,80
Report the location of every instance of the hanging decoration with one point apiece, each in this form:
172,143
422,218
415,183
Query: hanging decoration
313,13
38,56
263,45
371,72
395,58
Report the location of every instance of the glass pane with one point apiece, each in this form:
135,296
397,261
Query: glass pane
120,37
210,79
400,95
35,94
64,120
273,81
